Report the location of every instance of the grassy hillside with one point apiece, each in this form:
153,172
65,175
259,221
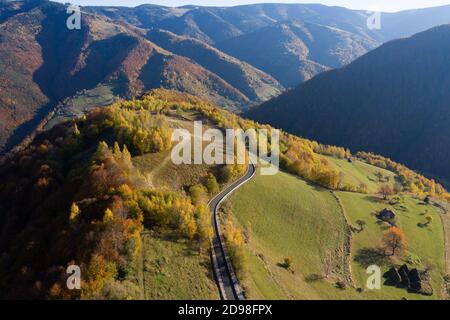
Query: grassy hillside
425,244
358,172
82,103
283,216
175,270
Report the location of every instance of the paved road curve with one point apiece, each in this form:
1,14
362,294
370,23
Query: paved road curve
223,269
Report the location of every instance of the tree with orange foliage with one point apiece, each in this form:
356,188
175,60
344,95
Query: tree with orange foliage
395,241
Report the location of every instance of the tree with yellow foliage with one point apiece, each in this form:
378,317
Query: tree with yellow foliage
212,185
198,194
74,213
184,211
99,272
108,216
235,243
204,228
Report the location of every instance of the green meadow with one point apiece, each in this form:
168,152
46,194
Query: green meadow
284,216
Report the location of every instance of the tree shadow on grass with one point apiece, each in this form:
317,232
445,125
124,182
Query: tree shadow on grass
314,278
374,199
207,266
371,256
191,251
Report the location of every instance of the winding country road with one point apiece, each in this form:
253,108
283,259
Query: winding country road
223,268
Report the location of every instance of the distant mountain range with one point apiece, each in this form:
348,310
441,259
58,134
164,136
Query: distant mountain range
291,42
297,51
395,101
217,24
236,57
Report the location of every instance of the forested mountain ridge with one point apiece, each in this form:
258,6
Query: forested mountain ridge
94,185
393,101
45,63
253,83
334,36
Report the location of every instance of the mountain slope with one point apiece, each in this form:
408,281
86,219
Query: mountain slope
249,18
203,24
43,63
298,51
394,101
255,84
406,23
291,218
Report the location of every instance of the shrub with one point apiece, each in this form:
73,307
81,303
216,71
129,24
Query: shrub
361,224
386,191
287,263
226,174
121,290
341,285
235,244
204,228
198,194
74,212
212,185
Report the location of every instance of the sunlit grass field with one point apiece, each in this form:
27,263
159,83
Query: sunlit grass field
284,216
287,217
425,244
175,270
359,172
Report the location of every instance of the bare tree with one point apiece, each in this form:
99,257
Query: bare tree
386,191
